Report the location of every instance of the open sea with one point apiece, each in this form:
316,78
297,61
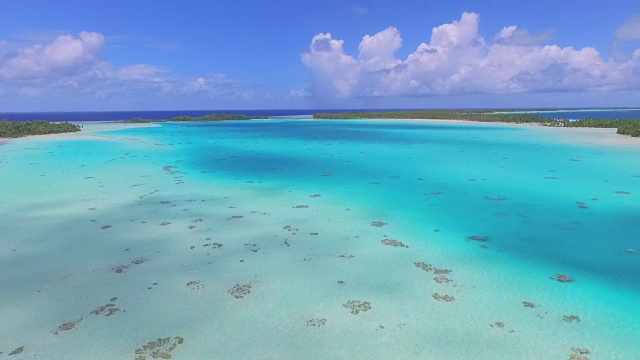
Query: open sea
290,239
572,114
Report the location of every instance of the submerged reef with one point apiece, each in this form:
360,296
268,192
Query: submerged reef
195,285
106,310
563,278
17,351
316,322
394,243
478,238
528,304
424,266
240,291
119,269
378,223
445,298
160,348
570,318
67,326
356,306
441,279
578,354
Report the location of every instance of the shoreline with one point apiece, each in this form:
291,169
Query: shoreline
86,133
584,136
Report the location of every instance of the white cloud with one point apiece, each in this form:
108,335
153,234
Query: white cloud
458,60
65,55
298,93
630,30
511,35
72,65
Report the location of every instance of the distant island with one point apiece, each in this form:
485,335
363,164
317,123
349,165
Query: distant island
624,126
11,129
210,117
16,129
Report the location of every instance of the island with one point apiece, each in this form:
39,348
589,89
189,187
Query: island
13,129
629,127
205,118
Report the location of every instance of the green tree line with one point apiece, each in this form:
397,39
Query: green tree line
624,126
210,117
13,129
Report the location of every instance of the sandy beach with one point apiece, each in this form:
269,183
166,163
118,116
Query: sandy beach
587,136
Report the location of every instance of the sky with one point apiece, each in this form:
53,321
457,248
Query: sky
70,55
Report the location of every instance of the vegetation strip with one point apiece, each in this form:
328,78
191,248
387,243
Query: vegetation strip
10,129
210,117
624,126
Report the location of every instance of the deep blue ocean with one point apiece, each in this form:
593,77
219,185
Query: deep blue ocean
572,114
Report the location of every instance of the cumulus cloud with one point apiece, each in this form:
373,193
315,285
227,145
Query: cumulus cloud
630,30
64,56
73,65
511,35
458,60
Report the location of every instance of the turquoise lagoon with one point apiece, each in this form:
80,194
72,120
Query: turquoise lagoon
264,240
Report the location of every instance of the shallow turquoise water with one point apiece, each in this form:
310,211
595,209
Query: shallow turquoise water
546,208
503,182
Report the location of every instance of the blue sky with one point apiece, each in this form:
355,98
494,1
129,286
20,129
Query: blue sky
144,55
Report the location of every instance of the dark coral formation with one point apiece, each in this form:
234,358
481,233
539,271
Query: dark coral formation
378,223
315,195
577,357
316,322
106,310
563,278
235,217
582,205
195,285
441,279
478,238
67,326
120,269
424,266
158,349
214,245
123,268
445,298
165,223
498,324
301,206
528,304
240,291
393,243
139,261
253,247
106,227
17,351
356,306
570,318
578,354
441,271
622,192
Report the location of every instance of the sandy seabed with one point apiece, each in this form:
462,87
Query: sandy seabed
126,255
